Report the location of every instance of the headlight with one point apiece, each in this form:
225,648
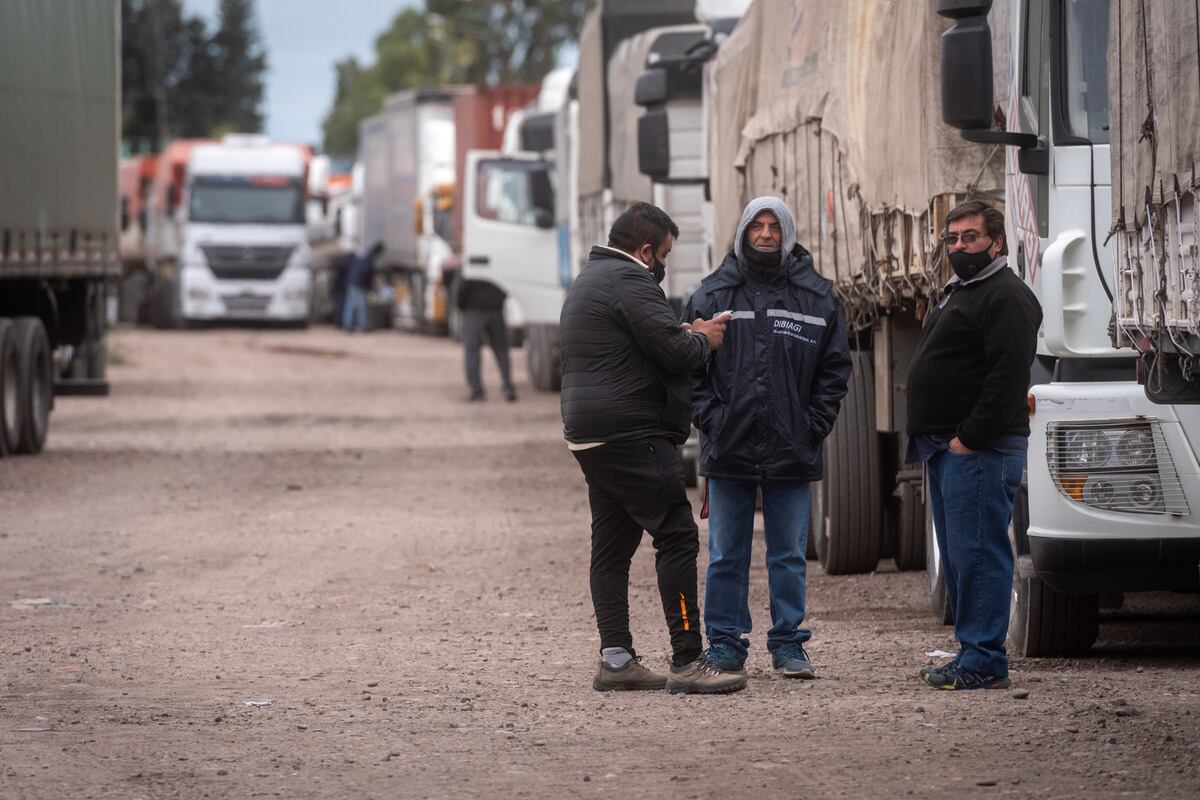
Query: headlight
1135,448
1087,449
1116,465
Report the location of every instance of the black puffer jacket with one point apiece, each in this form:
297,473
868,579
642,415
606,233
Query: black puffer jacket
626,363
771,393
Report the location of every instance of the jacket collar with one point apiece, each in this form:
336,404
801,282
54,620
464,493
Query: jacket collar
799,266
604,251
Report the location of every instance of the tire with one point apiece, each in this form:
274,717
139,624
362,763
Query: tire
910,528
851,538
167,312
35,385
541,354
939,599
1045,622
10,379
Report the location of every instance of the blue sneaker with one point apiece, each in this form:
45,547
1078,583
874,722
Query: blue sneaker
791,661
724,658
924,671
955,676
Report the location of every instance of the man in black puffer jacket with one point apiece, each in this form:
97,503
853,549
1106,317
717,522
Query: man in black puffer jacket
626,366
764,404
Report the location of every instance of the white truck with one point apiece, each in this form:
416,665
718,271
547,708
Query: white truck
244,246
59,145
1102,137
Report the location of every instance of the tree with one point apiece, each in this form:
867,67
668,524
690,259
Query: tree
451,41
240,61
177,79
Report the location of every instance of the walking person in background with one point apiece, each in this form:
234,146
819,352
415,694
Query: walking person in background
359,275
763,405
626,367
968,422
482,307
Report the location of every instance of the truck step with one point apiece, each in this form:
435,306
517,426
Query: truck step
81,387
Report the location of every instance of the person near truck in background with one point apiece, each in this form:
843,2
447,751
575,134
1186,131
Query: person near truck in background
482,307
764,404
626,367
968,422
359,275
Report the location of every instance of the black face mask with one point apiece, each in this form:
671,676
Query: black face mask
968,265
658,271
762,260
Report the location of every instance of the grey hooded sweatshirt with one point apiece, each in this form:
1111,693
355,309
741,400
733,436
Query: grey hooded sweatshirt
787,226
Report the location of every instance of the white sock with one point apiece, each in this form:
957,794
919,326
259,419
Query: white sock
615,657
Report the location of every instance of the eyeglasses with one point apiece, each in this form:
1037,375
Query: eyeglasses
969,237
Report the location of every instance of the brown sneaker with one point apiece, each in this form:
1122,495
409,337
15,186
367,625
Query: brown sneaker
701,677
631,677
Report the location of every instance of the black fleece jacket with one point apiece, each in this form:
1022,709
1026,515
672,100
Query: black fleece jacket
970,374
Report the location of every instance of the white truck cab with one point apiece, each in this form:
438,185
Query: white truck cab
1112,476
244,251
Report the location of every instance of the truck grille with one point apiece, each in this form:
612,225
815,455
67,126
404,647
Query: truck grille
245,303
233,262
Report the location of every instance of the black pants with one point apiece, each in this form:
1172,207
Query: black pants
637,486
476,326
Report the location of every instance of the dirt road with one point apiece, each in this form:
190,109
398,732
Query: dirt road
288,564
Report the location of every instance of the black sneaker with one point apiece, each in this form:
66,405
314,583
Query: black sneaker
955,676
631,677
923,671
510,394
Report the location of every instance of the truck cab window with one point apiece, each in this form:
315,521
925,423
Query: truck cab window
1085,45
516,192
253,200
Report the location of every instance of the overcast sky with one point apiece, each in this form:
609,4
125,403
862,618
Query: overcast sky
304,38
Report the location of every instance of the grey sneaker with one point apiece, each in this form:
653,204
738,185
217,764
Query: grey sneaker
631,677
791,661
702,677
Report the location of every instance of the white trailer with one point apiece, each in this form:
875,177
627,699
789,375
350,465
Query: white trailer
408,153
59,92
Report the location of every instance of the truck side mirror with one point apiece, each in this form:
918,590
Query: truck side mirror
654,144
967,90
967,70
543,218
652,88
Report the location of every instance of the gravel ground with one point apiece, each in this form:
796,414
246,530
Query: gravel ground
298,564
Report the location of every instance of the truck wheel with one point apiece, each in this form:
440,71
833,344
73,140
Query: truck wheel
939,599
167,313
910,528
10,381
35,384
1045,622
851,537
542,358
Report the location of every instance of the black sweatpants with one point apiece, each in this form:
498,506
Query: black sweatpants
636,486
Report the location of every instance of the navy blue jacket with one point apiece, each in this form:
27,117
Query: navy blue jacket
770,394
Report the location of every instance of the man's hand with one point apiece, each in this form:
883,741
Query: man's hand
713,329
958,448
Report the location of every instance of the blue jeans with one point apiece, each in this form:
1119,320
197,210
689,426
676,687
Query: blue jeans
972,501
354,310
730,533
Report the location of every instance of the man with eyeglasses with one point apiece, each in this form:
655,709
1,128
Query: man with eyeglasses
968,422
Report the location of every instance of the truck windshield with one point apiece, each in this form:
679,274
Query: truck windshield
250,200
1085,56
519,192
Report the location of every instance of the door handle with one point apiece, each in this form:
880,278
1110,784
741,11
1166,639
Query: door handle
482,261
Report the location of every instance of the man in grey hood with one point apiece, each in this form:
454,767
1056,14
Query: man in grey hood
764,404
